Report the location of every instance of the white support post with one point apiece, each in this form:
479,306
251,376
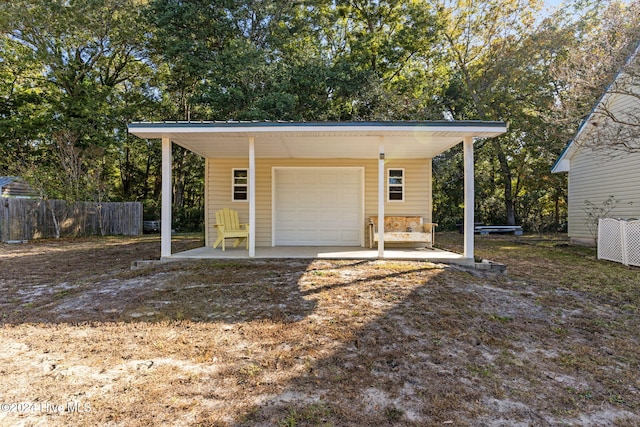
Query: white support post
381,180
165,227
469,200
207,227
252,197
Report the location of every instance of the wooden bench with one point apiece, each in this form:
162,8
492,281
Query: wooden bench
402,229
487,229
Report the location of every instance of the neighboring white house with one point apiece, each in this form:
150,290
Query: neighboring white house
316,184
603,159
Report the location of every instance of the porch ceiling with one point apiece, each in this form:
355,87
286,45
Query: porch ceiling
317,140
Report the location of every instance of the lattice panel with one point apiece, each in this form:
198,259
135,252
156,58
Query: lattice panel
610,239
631,242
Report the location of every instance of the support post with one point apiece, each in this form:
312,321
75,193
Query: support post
469,200
207,227
165,226
381,179
252,197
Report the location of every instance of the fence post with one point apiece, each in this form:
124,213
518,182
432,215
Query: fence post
4,225
632,242
623,238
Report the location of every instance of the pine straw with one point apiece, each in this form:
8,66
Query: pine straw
292,343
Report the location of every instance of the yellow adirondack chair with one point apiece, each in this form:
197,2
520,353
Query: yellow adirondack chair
229,227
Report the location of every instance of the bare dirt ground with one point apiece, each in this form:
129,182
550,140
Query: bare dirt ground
85,341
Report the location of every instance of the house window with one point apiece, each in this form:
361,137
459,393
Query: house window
240,186
395,185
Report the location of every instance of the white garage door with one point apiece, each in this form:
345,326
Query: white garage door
318,206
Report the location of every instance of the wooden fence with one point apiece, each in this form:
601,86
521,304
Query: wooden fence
27,219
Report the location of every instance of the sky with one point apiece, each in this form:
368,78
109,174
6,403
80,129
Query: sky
552,4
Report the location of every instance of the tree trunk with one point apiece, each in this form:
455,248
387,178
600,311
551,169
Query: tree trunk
178,182
507,179
54,218
126,175
557,212
505,169
147,171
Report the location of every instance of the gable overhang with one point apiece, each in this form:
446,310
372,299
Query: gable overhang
356,140
563,163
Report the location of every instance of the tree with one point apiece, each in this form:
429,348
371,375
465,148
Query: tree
484,41
600,58
612,126
23,106
80,56
74,73
383,62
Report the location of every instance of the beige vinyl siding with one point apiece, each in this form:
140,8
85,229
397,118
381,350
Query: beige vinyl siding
595,177
621,105
417,175
218,189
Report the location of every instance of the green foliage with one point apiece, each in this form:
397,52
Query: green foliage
74,73
448,188
82,60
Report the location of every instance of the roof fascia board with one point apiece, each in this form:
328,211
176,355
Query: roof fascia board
466,128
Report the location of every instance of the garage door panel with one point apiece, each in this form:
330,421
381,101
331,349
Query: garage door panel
287,196
350,179
346,235
322,199
328,238
287,217
307,234
327,218
306,178
329,179
286,175
318,206
347,216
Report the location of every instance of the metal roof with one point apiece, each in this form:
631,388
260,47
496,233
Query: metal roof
6,180
402,139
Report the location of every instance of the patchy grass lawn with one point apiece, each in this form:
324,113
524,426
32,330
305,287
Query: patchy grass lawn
84,341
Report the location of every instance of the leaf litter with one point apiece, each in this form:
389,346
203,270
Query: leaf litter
315,342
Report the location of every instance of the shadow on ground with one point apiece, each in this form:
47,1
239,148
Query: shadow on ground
199,291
